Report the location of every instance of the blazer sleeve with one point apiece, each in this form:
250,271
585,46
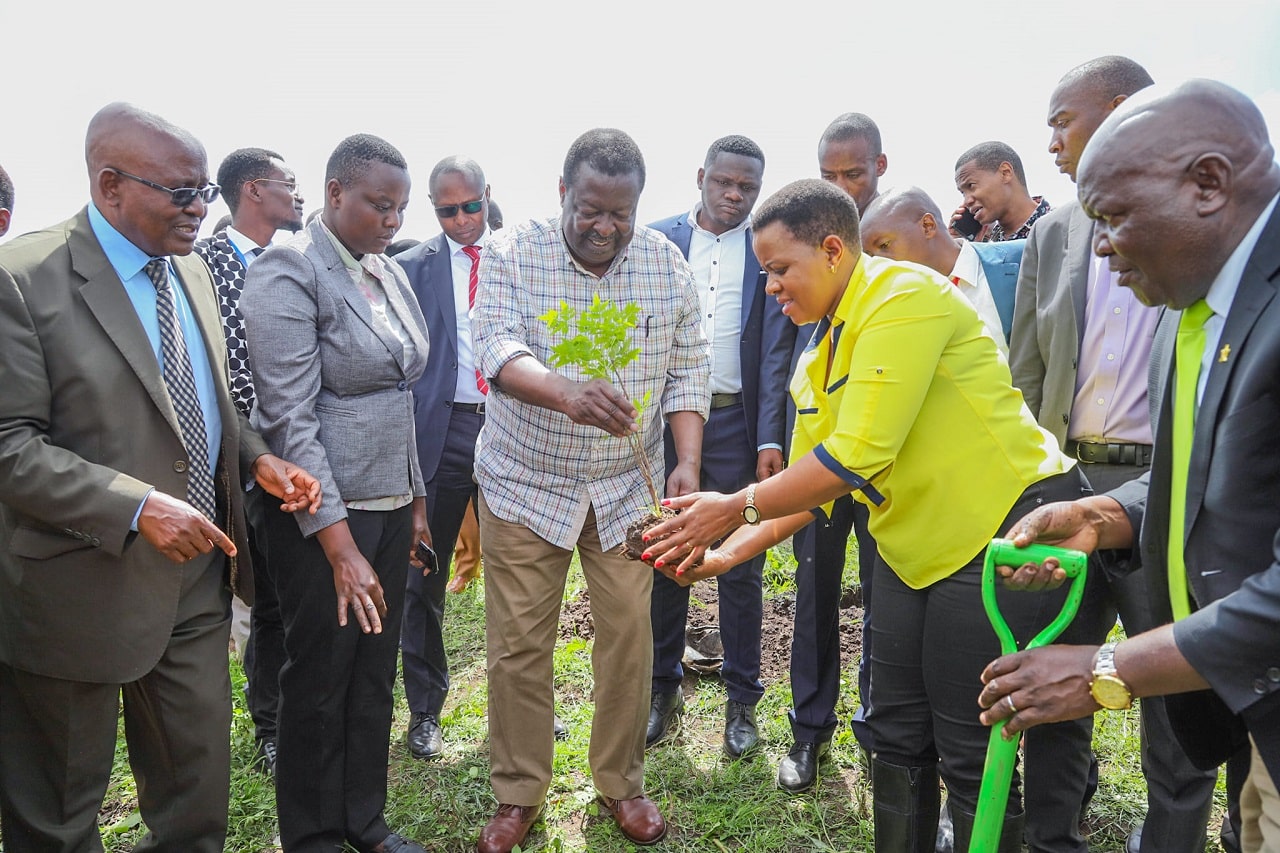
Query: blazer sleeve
281,326
776,345
1025,361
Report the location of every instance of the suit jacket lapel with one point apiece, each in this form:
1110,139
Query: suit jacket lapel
106,297
340,278
1256,290
440,284
752,289
1079,252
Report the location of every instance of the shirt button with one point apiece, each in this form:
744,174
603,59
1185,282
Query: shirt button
180,466
1115,310
1111,356
1101,401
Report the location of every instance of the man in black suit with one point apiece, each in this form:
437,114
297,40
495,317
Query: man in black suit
262,193
449,407
751,342
1183,186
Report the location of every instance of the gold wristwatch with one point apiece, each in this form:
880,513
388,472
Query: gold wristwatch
1108,689
750,514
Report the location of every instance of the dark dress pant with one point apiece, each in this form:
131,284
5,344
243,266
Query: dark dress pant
728,464
58,738
336,688
265,654
426,667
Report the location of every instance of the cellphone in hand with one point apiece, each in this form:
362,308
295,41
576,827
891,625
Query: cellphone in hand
967,225
426,555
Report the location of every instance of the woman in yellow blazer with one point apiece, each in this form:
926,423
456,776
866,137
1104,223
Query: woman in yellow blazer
903,399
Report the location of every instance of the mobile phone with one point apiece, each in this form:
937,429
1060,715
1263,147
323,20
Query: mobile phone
967,225
426,555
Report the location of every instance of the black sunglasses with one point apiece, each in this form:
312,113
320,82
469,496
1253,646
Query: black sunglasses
451,210
182,196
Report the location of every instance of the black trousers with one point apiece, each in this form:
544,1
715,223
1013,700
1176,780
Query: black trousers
1057,756
426,667
264,655
336,688
930,647
58,738
728,464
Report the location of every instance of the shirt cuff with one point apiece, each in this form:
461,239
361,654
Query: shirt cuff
134,526
769,446
851,477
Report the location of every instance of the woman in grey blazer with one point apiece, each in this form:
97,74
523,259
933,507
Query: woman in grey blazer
336,341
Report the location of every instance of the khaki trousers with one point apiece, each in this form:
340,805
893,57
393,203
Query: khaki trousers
1259,808
524,586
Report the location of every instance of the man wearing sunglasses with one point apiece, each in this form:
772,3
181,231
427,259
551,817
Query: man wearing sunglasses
121,465
262,194
449,400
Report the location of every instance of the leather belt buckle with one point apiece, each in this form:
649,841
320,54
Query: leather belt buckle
473,408
723,401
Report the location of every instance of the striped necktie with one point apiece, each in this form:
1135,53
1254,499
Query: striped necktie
180,380
473,281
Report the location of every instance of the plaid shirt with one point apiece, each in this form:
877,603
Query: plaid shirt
536,466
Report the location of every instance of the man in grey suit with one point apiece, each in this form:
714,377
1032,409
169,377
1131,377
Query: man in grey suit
1079,353
1183,188
121,458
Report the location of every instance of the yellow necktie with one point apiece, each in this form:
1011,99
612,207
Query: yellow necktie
1189,351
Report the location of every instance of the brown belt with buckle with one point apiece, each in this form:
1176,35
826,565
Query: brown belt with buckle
473,408
1102,453
724,401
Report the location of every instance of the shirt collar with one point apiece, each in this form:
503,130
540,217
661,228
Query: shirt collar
1223,290
126,258
968,265
242,243
455,247
857,282
740,228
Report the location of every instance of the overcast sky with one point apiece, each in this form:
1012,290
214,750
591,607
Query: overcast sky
513,83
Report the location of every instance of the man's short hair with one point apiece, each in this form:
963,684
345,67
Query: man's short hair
1110,76
6,190
222,224
241,165
607,150
811,209
456,164
988,156
353,156
854,126
735,144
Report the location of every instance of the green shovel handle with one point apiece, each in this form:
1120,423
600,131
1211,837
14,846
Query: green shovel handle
997,774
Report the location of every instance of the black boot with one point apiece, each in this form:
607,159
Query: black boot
906,807
1010,833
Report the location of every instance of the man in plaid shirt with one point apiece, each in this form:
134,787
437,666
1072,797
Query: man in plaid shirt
556,471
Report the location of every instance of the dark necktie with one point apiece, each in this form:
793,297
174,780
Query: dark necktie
180,380
473,281
257,250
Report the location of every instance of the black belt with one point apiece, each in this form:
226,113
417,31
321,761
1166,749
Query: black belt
724,401
1110,454
473,408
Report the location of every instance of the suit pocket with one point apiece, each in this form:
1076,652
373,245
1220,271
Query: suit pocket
38,544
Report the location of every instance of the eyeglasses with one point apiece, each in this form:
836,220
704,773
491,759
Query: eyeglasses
451,210
290,186
182,196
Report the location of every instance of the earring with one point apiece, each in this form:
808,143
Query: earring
832,267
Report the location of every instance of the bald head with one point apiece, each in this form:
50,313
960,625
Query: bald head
1194,167
905,224
127,149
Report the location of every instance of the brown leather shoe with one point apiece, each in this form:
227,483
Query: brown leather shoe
638,818
507,828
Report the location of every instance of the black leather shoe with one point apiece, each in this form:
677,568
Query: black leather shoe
424,737
265,757
662,711
559,728
799,770
396,844
740,733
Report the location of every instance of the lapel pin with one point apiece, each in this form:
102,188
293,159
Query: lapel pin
1224,353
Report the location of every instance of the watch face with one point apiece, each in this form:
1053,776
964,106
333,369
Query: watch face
750,515
1110,692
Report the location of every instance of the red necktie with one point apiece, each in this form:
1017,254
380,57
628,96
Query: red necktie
473,281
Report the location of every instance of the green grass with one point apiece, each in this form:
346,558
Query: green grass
710,803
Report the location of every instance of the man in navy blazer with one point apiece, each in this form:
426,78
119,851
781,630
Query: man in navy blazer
449,402
906,225
1182,189
751,342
